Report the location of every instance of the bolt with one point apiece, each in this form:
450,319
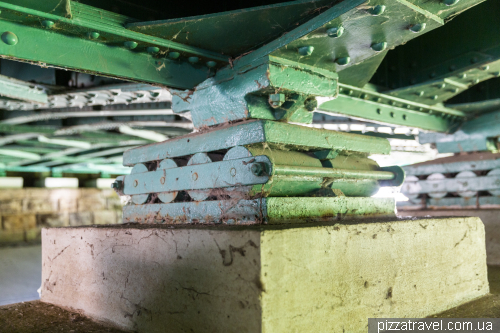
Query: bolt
485,68
462,76
162,180
434,97
450,2
420,93
379,47
174,55
258,169
94,35
117,184
232,172
335,32
152,49
48,24
311,104
195,176
306,50
454,90
193,60
9,38
377,10
136,183
419,27
343,61
276,100
130,45
441,86
211,64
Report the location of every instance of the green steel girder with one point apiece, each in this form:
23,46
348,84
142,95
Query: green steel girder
55,7
368,103
68,43
467,45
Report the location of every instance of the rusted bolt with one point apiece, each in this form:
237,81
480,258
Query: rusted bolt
162,180
258,169
195,176
136,183
232,172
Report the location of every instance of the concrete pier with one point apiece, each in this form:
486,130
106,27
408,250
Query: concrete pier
307,278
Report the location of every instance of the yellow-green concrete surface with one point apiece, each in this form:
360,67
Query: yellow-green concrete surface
296,278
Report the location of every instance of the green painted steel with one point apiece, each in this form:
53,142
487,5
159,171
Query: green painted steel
43,46
260,211
448,52
54,7
289,170
258,133
246,93
234,32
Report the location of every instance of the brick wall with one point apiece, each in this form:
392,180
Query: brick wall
23,212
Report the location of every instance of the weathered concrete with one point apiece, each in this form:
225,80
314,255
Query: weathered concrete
309,278
490,218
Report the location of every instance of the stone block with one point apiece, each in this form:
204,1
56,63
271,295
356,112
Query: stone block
11,236
91,203
300,278
11,206
53,220
105,217
81,218
19,222
32,205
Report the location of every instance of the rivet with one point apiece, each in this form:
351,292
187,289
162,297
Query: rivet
450,2
420,93
363,96
162,180
211,64
136,183
475,81
408,106
48,24
130,45
306,50
195,176
379,47
496,74
462,76
378,99
343,61
174,55
232,172
94,35
485,68
335,32
152,49
441,86
154,94
9,38
454,90
434,97
193,60
377,10
419,27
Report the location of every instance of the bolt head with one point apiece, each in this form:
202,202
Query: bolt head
153,49
193,60
174,55
48,24
306,50
9,38
94,35
377,10
450,2
211,64
379,47
258,169
419,27
335,32
130,45
343,61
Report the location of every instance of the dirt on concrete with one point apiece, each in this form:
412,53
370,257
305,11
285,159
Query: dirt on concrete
37,317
